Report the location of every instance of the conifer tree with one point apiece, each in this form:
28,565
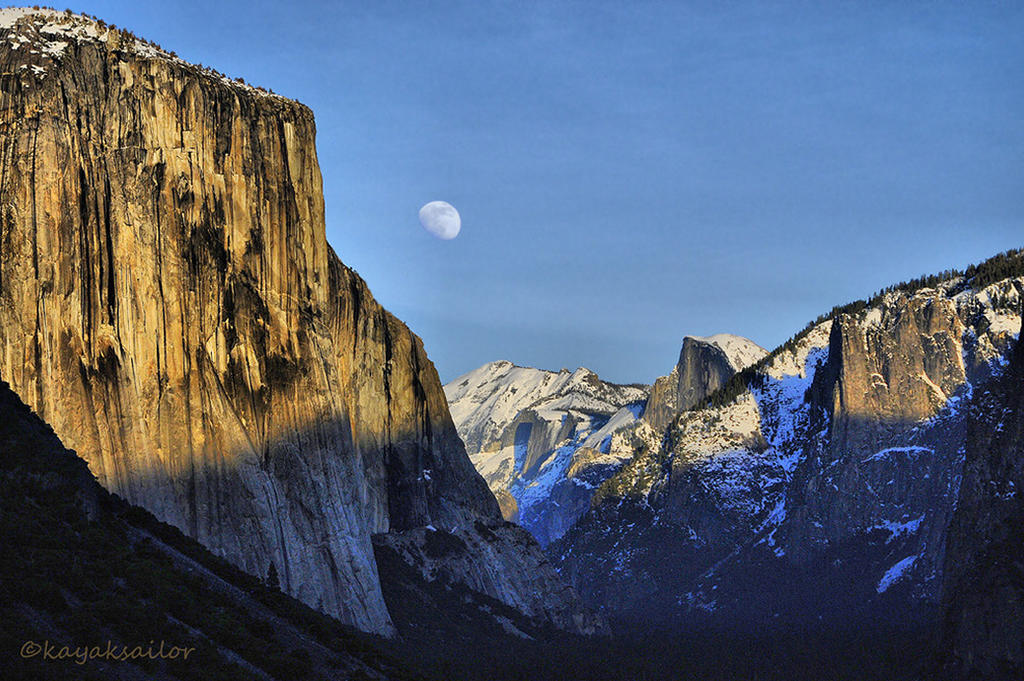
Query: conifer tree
272,579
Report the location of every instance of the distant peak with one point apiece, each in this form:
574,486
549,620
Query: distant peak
741,352
720,338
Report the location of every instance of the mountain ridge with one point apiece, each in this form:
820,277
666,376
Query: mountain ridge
546,440
746,476
531,432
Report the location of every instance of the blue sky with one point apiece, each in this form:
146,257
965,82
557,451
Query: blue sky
631,172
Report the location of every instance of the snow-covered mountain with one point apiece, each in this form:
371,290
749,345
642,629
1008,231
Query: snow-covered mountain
820,481
543,439
540,438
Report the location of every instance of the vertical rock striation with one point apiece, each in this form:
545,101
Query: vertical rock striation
890,369
170,305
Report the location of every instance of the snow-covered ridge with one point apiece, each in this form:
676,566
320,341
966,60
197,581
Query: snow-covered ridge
794,362
721,441
780,400
741,352
47,32
541,438
486,400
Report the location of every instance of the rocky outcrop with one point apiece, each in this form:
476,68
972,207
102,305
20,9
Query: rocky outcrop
170,305
541,438
823,489
890,368
455,557
983,595
704,365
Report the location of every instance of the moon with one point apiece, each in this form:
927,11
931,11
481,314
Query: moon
441,219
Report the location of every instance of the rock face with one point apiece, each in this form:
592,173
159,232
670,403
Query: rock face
704,365
169,304
983,595
541,438
824,487
896,366
455,556
544,441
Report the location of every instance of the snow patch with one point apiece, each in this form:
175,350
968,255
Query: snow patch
52,31
912,451
622,418
895,573
896,529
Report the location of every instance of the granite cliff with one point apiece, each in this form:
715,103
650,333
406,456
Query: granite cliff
983,594
170,305
704,365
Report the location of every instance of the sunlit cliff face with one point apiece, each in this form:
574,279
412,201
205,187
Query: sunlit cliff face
169,303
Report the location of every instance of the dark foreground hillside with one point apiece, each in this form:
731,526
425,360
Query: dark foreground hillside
79,567
881,654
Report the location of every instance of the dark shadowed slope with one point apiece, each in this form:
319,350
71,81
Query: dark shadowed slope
983,629
80,567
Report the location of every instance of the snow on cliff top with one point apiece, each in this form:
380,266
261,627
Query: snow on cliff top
741,352
47,31
10,15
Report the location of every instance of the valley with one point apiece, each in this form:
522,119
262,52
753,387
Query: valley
213,435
